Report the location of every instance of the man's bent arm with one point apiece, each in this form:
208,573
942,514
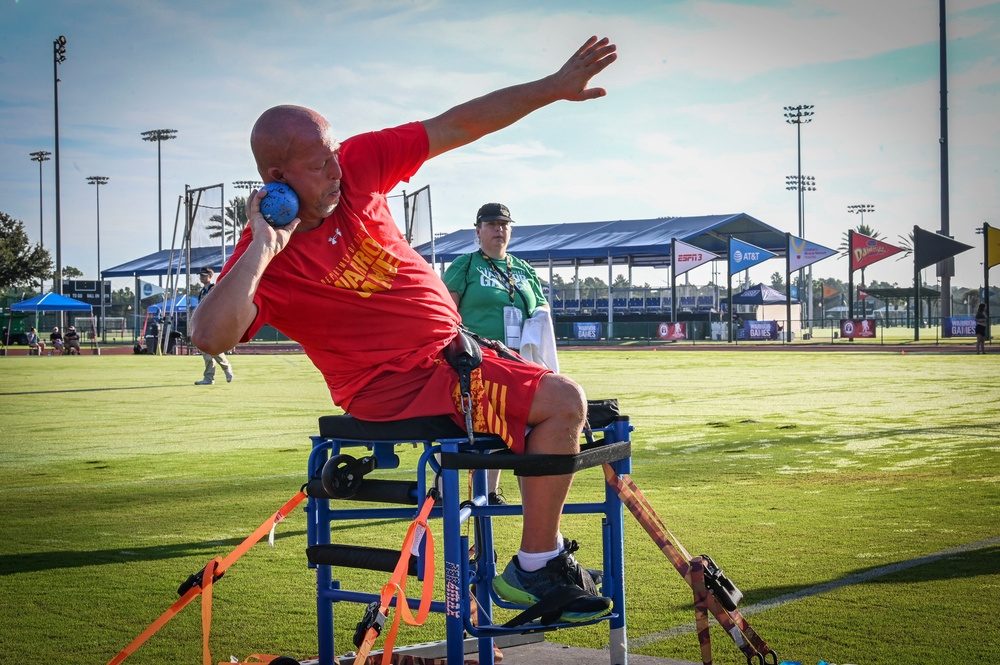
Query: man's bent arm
474,119
221,318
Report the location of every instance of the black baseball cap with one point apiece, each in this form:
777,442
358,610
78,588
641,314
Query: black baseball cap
492,212
206,271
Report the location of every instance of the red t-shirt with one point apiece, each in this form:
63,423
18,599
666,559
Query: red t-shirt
352,292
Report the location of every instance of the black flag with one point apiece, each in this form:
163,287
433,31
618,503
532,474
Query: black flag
930,248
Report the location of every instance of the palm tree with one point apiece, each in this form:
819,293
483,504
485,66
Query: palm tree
863,229
906,244
236,220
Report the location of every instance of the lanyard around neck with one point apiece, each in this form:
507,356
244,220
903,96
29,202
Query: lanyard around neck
506,277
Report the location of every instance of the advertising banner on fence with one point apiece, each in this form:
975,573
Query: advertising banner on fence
587,330
959,326
671,331
857,328
757,331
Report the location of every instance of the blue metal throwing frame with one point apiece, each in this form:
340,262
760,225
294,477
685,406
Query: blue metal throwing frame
459,573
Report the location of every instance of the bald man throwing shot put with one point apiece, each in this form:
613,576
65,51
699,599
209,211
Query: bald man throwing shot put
374,317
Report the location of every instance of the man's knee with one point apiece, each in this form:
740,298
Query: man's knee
561,397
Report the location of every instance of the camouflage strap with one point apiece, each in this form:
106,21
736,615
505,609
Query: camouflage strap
692,569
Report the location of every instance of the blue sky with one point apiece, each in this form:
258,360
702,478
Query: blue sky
692,124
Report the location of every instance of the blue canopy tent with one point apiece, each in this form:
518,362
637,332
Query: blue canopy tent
761,294
771,304
167,262
163,263
640,242
631,242
52,302
179,305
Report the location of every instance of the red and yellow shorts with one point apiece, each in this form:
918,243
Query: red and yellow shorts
502,392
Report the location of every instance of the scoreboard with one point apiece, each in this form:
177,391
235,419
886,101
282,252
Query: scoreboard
87,290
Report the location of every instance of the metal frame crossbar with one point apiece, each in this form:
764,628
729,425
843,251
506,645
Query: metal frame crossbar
446,452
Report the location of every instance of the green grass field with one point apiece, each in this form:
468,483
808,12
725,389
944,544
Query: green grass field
119,478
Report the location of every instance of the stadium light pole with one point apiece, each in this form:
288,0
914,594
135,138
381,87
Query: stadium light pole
159,135
58,57
799,115
99,180
40,156
248,184
803,184
861,209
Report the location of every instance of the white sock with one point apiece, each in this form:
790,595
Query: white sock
532,561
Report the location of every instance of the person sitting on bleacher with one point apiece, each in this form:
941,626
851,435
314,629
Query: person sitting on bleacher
36,347
72,341
56,338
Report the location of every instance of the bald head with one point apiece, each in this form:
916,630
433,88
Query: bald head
296,146
281,131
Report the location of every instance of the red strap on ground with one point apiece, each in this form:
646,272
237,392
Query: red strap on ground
397,585
215,567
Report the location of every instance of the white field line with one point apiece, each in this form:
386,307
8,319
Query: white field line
857,578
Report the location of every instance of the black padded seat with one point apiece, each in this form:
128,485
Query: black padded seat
428,428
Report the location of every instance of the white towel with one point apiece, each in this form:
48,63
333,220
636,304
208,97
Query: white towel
538,340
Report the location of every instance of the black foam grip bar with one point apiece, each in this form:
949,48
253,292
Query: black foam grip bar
541,465
402,492
355,556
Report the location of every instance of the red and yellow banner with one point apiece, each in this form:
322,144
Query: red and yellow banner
866,250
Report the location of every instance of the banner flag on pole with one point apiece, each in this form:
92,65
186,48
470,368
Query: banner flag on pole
743,255
862,295
866,250
829,291
148,290
688,257
802,253
992,246
930,248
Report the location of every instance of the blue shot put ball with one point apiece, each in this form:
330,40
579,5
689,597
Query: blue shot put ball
280,205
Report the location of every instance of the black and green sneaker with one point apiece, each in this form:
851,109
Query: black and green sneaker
518,586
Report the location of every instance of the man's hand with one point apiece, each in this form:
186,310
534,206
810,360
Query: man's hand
274,238
589,60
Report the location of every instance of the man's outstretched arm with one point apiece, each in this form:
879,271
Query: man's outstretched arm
474,119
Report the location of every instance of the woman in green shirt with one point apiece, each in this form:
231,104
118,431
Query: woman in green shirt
494,291
490,284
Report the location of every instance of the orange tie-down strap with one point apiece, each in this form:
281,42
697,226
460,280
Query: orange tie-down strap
692,569
201,583
377,616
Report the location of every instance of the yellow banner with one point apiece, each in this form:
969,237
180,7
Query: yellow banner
992,246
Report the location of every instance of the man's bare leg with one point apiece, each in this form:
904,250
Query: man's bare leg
557,413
